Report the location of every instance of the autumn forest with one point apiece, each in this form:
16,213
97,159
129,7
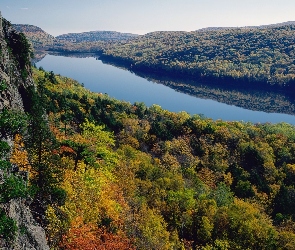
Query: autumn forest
107,174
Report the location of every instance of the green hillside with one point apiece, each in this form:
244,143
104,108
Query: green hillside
247,55
38,37
147,178
99,173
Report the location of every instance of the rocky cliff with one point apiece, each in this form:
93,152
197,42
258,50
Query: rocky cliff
18,229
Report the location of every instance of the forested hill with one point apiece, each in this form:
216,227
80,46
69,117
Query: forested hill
43,40
104,174
264,55
137,177
38,37
94,36
250,27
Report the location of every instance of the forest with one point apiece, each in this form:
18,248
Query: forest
240,56
107,174
38,38
233,55
115,175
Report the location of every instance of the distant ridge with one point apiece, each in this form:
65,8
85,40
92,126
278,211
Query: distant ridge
94,36
42,40
249,27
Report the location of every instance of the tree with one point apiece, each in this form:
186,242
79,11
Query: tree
89,237
150,230
244,226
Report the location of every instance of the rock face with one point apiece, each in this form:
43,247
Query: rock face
29,234
9,75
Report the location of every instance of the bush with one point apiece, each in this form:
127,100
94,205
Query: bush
8,227
12,122
3,85
4,148
58,195
4,165
13,187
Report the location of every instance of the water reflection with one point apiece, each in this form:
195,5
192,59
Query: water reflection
246,99
251,98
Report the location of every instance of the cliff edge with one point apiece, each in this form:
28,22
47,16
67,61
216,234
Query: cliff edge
18,229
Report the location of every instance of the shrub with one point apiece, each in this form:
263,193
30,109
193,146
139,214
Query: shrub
12,121
13,187
4,165
8,227
3,85
4,148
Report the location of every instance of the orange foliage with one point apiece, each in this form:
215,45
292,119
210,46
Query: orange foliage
208,177
19,155
55,128
89,237
67,150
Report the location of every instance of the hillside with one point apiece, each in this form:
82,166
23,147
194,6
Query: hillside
38,37
248,55
94,36
100,173
41,40
275,25
139,177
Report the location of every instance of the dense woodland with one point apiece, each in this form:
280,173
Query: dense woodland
119,175
107,174
264,55
245,55
38,37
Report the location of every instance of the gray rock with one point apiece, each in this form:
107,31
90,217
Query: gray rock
29,235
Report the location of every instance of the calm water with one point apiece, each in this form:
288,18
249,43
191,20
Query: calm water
124,85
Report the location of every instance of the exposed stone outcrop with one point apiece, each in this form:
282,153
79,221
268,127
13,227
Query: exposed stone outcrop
29,234
11,76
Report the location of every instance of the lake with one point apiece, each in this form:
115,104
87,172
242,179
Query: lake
194,98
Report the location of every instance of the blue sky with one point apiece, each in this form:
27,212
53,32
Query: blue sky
141,16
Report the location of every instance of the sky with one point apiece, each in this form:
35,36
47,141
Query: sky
142,16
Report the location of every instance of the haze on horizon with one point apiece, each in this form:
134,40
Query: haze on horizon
137,16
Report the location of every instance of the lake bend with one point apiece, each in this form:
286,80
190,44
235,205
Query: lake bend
124,85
